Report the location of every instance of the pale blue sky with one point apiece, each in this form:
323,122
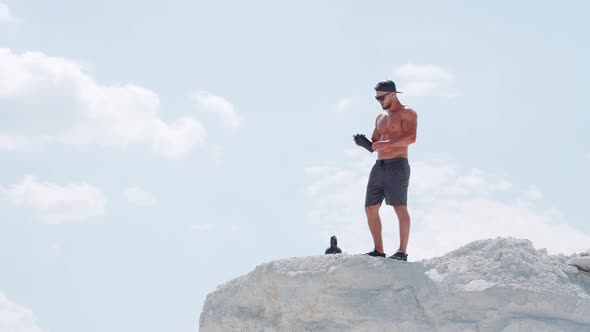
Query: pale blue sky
153,150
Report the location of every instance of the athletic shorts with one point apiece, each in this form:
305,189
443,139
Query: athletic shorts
389,179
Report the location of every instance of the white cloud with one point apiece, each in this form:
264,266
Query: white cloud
343,105
6,14
140,197
329,176
449,206
220,107
530,196
86,112
423,72
15,318
56,204
424,80
14,142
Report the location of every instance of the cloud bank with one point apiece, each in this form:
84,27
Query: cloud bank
56,204
6,15
15,318
219,106
51,99
450,206
424,80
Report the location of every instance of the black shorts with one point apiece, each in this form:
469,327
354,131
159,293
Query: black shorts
389,179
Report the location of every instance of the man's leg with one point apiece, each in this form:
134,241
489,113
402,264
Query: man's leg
375,226
404,226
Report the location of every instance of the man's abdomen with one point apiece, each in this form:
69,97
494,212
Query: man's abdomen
393,153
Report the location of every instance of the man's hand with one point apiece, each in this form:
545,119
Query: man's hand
363,141
380,145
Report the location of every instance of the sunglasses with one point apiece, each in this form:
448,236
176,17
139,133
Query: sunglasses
382,97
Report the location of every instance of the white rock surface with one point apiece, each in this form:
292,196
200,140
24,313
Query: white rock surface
582,263
502,284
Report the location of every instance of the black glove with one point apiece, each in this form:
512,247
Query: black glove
363,141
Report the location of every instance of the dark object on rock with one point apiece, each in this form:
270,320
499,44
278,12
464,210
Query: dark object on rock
363,141
333,246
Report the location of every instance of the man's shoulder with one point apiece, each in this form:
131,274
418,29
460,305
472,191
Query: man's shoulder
410,111
408,108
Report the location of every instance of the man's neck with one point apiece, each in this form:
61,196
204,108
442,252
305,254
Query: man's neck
395,107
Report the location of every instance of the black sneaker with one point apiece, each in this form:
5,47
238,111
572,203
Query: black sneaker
400,255
375,253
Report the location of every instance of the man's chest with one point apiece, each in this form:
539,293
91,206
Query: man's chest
389,123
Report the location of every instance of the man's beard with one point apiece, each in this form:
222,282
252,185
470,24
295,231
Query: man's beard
385,106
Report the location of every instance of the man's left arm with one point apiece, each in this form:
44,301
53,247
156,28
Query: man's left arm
409,127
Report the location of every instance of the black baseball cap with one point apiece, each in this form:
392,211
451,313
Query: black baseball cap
387,86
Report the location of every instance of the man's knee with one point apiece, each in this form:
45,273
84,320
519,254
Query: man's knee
401,209
372,209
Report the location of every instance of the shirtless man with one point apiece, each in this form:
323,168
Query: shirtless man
395,129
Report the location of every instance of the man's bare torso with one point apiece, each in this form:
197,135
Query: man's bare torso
389,126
